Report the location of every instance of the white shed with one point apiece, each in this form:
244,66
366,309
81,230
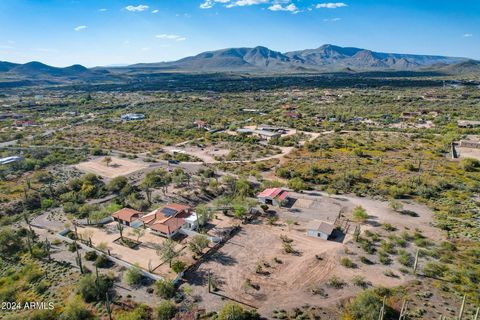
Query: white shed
320,229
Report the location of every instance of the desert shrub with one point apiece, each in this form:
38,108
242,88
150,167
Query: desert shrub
360,214
165,311
133,276
87,287
346,262
336,282
359,281
365,260
231,310
405,258
435,269
141,312
366,306
102,261
76,309
384,258
470,165
91,255
165,289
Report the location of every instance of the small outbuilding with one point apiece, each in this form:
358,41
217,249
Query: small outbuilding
132,117
320,229
126,216
273,196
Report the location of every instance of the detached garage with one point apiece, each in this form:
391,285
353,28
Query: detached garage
320,229
126,216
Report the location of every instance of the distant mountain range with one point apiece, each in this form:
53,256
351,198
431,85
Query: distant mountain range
258,60
326,58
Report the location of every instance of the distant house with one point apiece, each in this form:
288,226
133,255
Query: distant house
262,134
320,229
266,127
126,216
24,123
273,196
132,117
468,123
11,159
168,220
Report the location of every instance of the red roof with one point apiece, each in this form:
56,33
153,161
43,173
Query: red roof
270,193
126,214
168,226
283,195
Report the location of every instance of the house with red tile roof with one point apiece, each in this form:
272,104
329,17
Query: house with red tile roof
126,216
169,219
273,196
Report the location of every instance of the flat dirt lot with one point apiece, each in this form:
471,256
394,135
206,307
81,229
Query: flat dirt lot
286,281
118,167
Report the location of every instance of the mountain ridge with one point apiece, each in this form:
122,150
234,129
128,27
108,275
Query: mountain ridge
256,60
324,58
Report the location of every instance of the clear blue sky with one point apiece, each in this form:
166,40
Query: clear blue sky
101,32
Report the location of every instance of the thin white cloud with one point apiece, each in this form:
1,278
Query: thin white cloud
278,7
155,11
102,10
332,20
174,37
243,3
468,35
139,8
80,28
331,5
207,4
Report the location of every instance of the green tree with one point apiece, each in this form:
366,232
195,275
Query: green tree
133,276
10,242
92,289
117,184
166,310
165,288
233,311
167,251
297,184
198,243
204,214
367,306
76,309
178,266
